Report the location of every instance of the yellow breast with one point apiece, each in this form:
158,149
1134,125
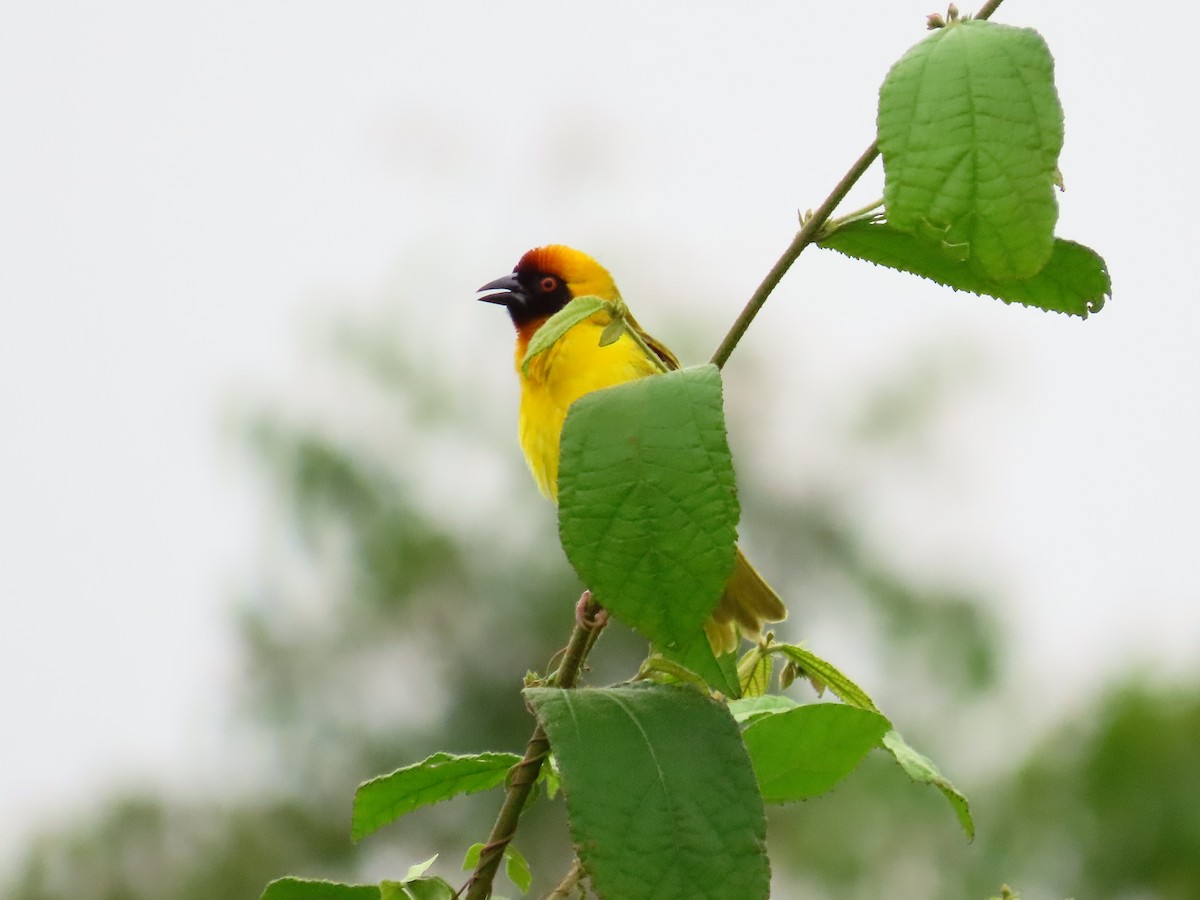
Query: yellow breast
574,366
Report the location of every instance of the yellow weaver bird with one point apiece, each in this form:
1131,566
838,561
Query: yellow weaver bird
544,281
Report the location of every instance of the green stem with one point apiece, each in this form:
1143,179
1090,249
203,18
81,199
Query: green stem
808,233
805,236
524,774
637,338
985,11
864,212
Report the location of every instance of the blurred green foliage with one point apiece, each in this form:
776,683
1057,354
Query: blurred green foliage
388,623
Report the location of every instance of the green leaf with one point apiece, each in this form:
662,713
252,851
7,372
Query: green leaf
516,867
550,778
303,889
559,324
970,128
660,793
647,501
416,889
416,871
695,654
805,751
660,669
440,777
748,709
612,332
1074,281
820,670
471,857
922,770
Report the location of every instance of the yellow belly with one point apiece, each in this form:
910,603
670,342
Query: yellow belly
577,365
574,366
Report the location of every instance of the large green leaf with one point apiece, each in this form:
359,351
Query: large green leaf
970,128
805,751
647,502
440,777
660,792
1074,280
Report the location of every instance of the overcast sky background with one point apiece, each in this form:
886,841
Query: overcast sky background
185,189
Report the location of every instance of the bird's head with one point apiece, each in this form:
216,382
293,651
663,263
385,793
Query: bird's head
547,279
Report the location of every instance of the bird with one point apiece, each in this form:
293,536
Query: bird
544,281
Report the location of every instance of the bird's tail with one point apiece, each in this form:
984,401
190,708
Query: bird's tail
747,604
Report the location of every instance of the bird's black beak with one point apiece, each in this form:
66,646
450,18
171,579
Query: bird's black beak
508,291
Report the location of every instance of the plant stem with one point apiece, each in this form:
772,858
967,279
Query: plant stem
637,338
524,774
568,884
864,212
806,235
988,8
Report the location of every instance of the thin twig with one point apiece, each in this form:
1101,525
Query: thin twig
808,232
569,883
524,775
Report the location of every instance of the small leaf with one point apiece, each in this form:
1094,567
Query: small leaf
806,751
471,857
416,871
661,797
749,709
440,777
612,332
658,668
550,777
516,867
823,672
789,673
559,324
970,129
922,770
1074,281
647,501
304,889
754,672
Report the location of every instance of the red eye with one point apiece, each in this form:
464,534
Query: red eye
548,284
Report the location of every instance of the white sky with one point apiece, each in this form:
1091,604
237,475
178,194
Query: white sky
181,184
